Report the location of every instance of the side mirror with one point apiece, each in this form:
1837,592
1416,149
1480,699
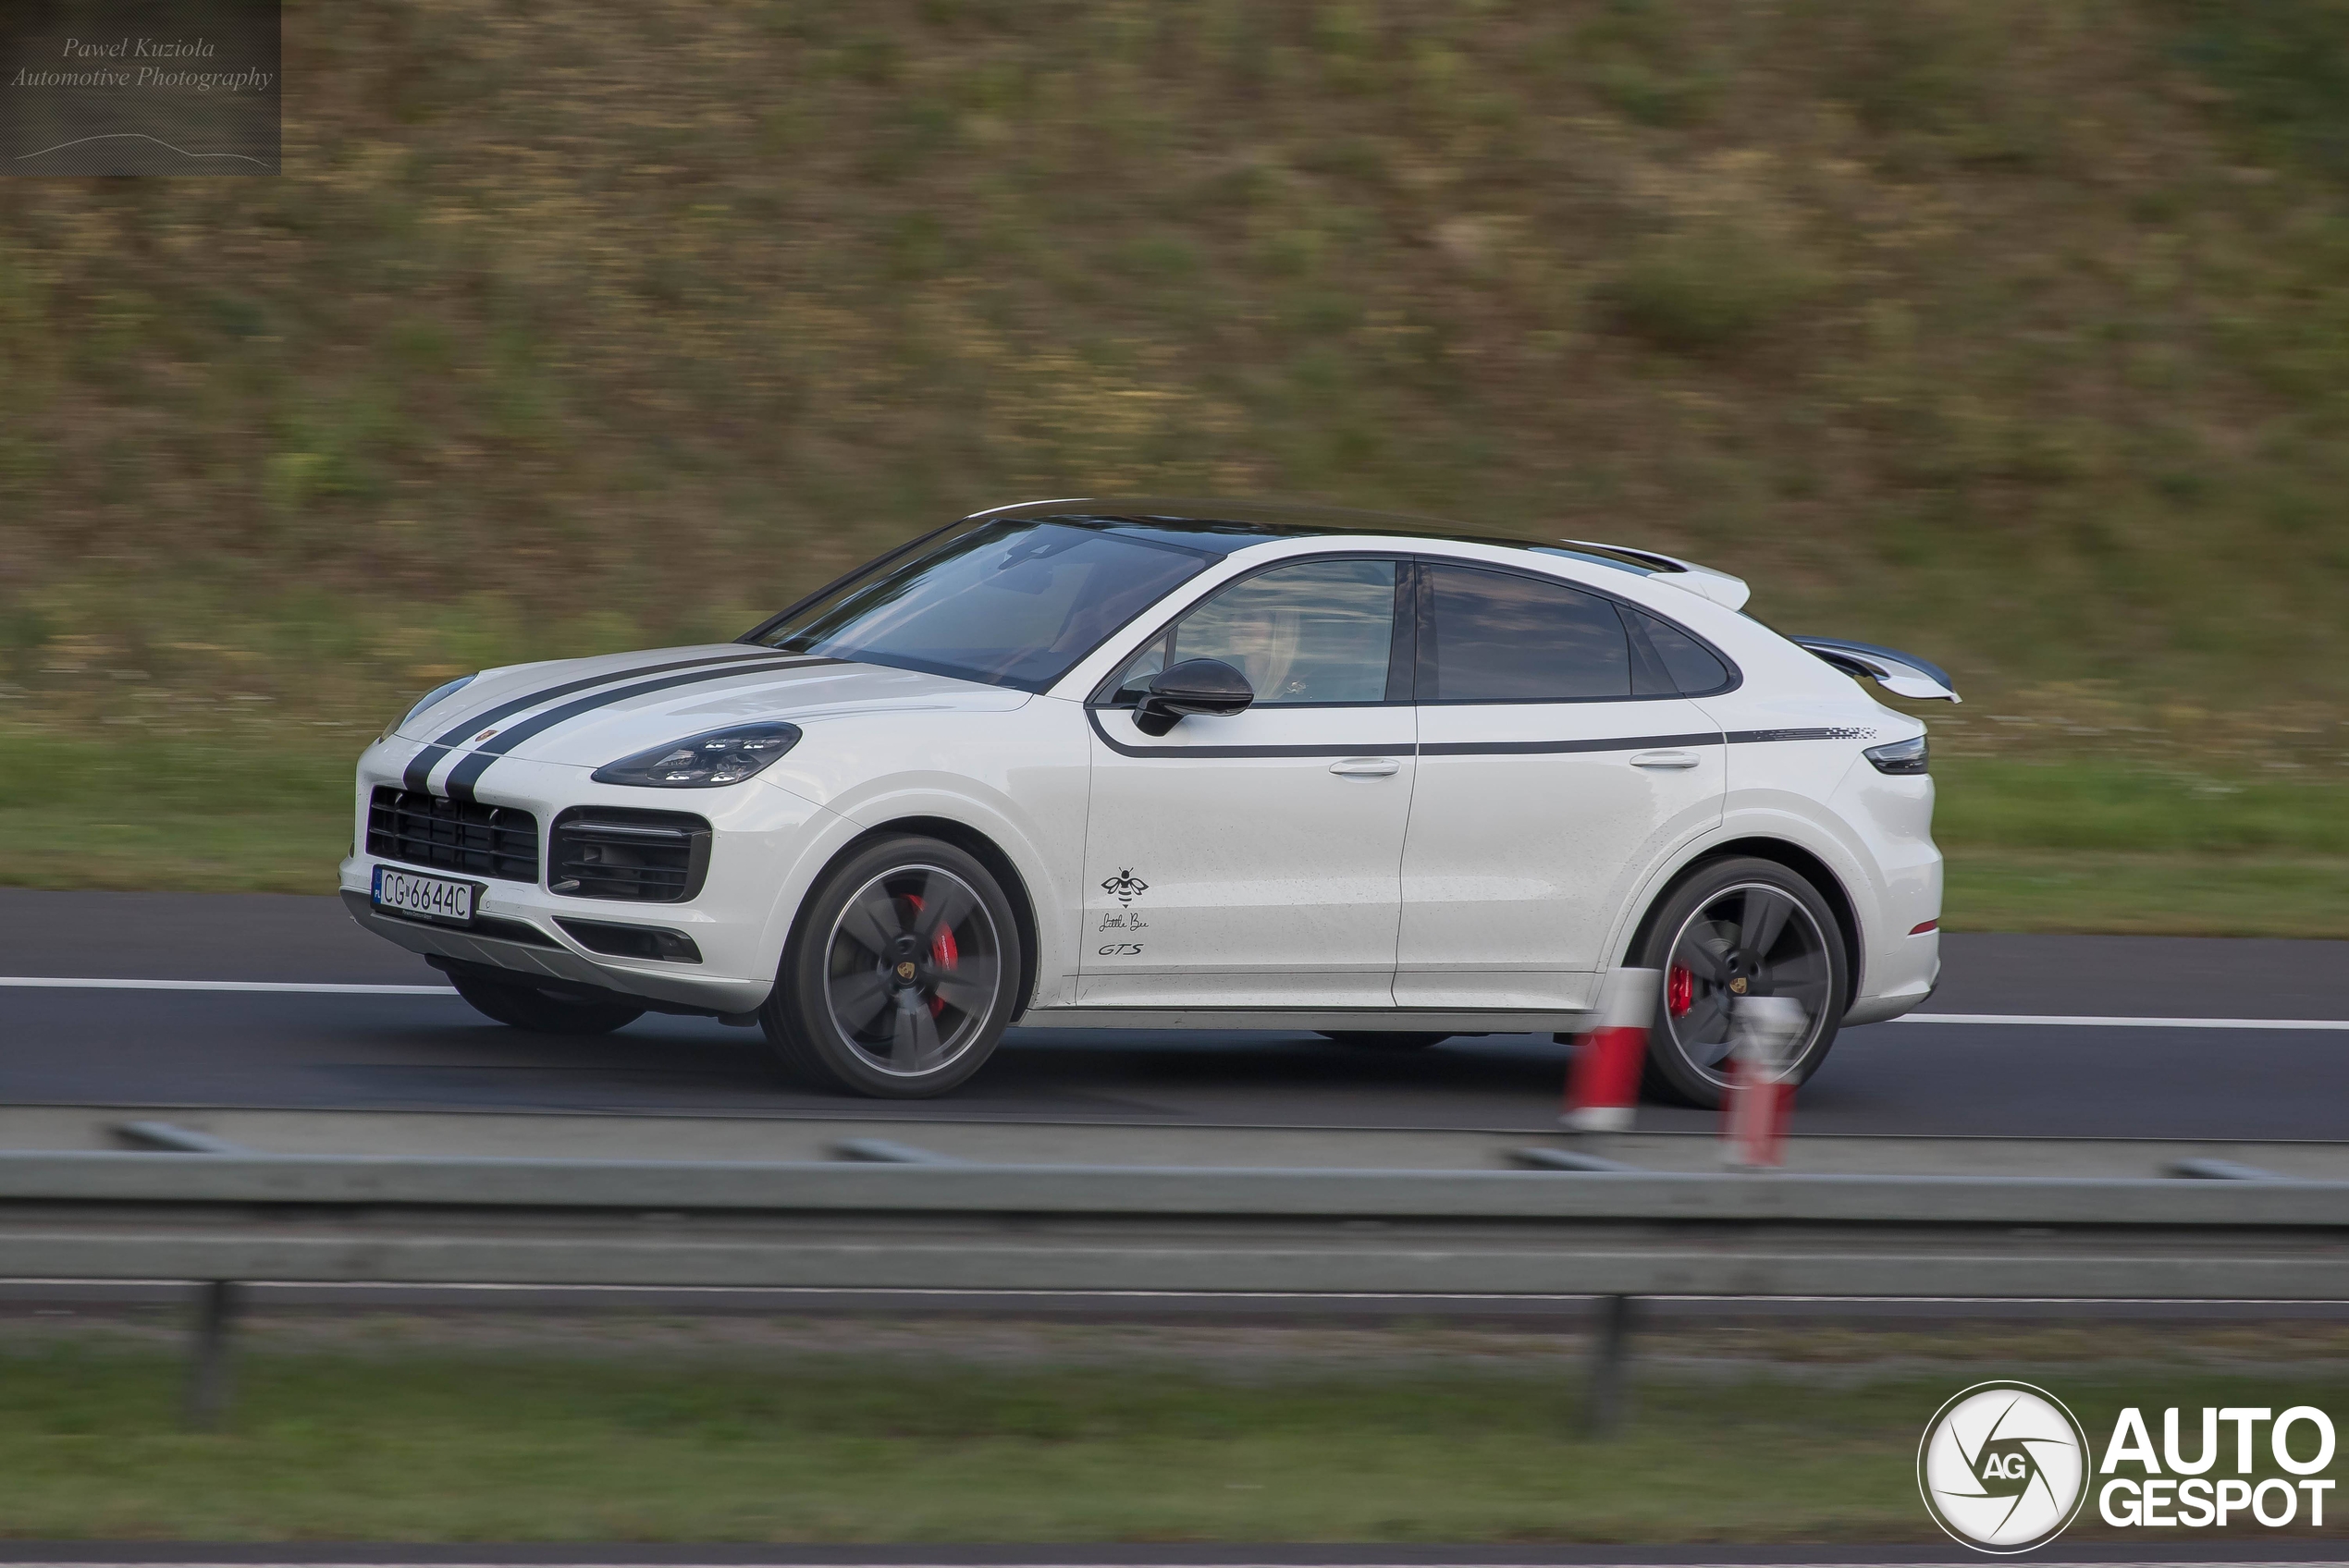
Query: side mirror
1194,686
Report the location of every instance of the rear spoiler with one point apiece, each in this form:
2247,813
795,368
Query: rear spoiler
1903,674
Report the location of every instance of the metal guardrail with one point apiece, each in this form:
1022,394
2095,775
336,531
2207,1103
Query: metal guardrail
223,1216
991,1226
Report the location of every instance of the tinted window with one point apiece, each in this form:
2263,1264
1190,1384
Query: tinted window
1012,603
1493,637
1688,666
1318,631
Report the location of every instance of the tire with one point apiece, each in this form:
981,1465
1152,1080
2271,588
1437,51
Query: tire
1738,927
1381,1040
879,996
523,1006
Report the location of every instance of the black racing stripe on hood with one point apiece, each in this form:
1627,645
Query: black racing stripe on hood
467,773
419,769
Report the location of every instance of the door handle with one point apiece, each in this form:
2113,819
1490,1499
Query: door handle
1674,760
1367,767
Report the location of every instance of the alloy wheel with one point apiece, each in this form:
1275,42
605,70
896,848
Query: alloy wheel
913,970
1747,939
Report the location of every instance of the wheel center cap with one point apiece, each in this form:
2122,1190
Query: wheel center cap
906,970
1739,984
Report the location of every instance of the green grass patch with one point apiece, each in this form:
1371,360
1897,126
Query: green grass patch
2110,805
268,814
422,1444
2166,895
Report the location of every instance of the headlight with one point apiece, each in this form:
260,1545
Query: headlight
427,699
722,757
1899,756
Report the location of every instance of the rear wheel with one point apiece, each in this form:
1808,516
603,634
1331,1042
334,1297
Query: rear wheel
1739,927
900,978
1381,1039
525,1006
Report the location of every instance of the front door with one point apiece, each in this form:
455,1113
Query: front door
1254,861
1559,759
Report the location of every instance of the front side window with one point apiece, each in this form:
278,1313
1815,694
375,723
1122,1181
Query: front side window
1317,632
1014,602
1497,637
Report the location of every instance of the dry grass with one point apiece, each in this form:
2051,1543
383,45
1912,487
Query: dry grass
1963,322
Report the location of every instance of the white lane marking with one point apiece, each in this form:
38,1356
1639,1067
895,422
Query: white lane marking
66,983
2094,1022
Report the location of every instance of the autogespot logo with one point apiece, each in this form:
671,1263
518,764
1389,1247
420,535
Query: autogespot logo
2003,1467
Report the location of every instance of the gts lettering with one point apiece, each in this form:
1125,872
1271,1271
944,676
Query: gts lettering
1120,950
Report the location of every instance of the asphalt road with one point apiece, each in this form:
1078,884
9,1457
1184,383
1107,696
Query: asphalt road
194,1049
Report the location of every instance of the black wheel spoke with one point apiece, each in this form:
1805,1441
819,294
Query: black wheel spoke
969,986
859,996
1806,969
1708,957
871,921
915,1038
945,904
1707,1015
1765,917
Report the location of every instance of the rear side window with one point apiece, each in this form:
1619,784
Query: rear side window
1681,664
1497,637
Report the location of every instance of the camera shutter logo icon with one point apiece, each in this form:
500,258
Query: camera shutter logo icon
2003,1467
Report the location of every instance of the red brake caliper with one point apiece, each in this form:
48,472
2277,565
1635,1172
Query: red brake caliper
1679,990
942,949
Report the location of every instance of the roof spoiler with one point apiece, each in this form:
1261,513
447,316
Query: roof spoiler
1703,581
1903,674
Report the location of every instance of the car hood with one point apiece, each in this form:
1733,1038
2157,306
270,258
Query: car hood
586,713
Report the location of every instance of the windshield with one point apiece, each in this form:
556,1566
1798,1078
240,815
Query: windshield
1015,602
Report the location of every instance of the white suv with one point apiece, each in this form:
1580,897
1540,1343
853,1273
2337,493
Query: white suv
1187,764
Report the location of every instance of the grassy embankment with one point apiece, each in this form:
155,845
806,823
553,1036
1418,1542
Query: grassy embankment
391,1431
2017,333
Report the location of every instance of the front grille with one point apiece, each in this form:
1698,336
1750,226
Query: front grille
422,829
648,857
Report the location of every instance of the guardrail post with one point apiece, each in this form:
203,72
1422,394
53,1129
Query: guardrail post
1610,1349
208,1370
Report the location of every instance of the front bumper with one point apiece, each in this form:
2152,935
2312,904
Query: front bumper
759,835
508,950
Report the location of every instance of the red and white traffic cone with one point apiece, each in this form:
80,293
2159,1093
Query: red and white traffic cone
1762,1033
1604,1086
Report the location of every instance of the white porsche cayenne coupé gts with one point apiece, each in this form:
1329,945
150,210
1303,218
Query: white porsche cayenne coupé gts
1161,763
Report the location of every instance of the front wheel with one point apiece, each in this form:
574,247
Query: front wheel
901,975
522,1006
1739,927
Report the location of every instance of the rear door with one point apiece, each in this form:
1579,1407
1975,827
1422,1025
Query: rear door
1254,859
1559,760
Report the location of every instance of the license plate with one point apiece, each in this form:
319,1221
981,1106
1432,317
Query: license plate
434,898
